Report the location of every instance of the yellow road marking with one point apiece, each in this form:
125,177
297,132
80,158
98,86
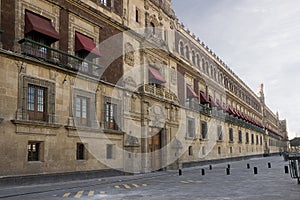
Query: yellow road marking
67,194
191,181
91,193
126,186
144,185
135,185
79,194
116,186
102,192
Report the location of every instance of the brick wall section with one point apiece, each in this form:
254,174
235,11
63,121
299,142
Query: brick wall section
7,24
118,5
64,30
111,43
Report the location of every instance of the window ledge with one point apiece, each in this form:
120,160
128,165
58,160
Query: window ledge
220,141
190,138
34,127
231,141
112,131
35,123
204,140
34,162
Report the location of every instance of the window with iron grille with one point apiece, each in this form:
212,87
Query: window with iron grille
220,134
81,110
37,102
191,127
204,130
240,136
33,151
247,138
230,134
110,151
111,116
80,151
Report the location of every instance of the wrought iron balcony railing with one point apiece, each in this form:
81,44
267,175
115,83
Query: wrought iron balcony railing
159,92
57,57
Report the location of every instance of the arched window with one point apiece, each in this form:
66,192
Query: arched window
198,61
206,68
193,57
187,52
152,28
203,65
181,48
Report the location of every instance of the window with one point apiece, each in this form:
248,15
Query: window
81,110
219,150
36,103
152,28
110,149
104,2
137,15
220,134
191,128
193,57
230,150
240,136
261,140
187,52
203,151
38,98
190,150
198,61
252,139
247,137
111,116
80,151
230,134
33,151
181,48
204,130
257,140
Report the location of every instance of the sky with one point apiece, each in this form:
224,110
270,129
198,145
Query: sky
259,40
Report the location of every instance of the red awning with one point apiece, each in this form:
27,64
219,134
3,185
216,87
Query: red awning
190,92
154,74
41,25
203,98
83,42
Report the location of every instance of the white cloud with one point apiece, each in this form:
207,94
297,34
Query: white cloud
259,40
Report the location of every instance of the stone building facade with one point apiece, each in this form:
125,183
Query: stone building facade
119,84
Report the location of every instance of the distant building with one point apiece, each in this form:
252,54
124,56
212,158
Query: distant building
116,84
295,145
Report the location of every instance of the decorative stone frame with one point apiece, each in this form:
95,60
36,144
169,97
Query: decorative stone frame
92,122
44,9
22,113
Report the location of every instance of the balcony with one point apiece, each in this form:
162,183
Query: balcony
160,92
195,105
57,57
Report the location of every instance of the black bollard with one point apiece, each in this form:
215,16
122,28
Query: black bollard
228,171
228,166
286,169
255,170
179,172
269,165
203,172
248,166
210,167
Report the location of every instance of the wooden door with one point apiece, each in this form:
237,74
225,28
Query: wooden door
155,151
